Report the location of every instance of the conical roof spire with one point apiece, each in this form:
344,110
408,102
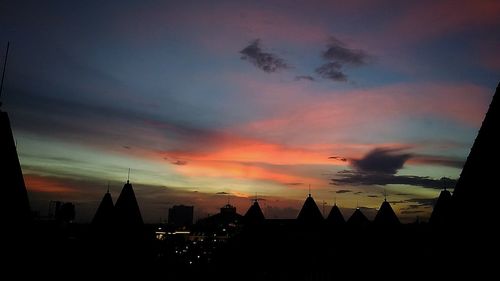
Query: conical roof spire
475,192
127,209
104,215
335,216
310,211
386,215
254,213
358,218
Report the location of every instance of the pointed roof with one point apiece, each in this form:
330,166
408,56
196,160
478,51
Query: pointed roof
358,218
126,208
105,212
440,213
386,215
475,194
310,211
15,207
335,216
254,213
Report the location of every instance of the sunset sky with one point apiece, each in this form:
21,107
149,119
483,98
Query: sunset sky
201,99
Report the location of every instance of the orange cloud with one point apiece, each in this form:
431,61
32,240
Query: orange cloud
37,183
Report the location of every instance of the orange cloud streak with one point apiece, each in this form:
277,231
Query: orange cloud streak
36,183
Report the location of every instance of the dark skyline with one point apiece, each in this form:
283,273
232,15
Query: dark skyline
354,98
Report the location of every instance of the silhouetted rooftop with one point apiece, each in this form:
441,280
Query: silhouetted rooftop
310,211
358,218
105,212
254,213
386,215
475,193
335,216
127,209
15,207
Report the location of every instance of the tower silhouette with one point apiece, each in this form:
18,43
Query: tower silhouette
386,216
128,214
335,217
442,209
474,198
105,214
254,214
15,208
310,212
358,219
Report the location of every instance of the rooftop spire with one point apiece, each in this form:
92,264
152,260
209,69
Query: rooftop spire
128,176
108,188
309,190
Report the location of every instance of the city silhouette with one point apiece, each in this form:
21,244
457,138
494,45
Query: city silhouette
249,141
307,247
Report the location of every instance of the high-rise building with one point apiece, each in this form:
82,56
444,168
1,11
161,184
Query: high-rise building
180,216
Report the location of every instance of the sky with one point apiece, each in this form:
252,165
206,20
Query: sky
210,101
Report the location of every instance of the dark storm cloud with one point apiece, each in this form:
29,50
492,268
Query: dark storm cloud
343,191
266,61
381,160
362,178
338,56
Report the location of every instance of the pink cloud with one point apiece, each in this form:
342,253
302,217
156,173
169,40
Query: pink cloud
432,19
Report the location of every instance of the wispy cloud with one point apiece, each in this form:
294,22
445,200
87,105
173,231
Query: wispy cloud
304,77
268,62
338,55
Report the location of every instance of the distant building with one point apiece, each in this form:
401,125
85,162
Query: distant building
180,216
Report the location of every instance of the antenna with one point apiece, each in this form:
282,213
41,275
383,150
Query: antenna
4,67
309,190
108,188
385,195
335,201
128,176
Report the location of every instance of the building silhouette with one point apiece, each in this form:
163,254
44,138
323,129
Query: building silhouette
310,212
254,214
15,208
180,216
358,219
105,214
128,214
475,194
335,217
386,216
442,209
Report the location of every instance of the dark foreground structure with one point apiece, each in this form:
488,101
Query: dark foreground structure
461,237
